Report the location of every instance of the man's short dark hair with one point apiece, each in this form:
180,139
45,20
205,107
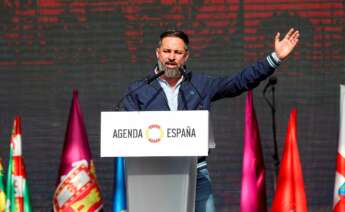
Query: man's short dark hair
175,33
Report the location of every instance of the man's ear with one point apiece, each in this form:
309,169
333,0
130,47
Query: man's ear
157,53
186,57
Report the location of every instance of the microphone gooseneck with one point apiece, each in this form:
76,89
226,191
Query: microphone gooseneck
146,81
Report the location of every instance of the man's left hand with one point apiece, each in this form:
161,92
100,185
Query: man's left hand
285,46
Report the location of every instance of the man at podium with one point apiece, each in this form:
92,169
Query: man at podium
172,87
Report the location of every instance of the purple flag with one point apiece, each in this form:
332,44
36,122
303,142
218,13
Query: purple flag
77,187
253,191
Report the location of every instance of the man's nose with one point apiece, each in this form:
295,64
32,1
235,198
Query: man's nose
172,56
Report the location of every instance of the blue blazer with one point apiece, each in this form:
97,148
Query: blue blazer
197,91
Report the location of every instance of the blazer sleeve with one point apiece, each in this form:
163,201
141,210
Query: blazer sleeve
248,78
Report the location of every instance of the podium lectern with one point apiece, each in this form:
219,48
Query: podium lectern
161,150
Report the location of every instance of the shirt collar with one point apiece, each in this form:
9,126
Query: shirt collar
164,81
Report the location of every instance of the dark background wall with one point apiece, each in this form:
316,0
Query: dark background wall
50,47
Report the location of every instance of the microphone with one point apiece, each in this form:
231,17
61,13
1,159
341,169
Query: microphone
271,82
151,78
146,81
187,77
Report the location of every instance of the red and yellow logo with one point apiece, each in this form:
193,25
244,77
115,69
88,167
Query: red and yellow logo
154,133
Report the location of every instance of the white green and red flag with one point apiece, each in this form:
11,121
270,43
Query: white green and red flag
17,190
2,189
339,186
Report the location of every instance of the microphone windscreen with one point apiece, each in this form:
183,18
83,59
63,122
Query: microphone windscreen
272,80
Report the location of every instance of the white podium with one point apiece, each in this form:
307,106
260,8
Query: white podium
161,150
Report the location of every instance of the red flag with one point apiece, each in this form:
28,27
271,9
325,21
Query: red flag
77,188
290,194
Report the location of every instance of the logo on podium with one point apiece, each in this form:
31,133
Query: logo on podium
154,133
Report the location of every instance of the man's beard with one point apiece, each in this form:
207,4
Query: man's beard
169,72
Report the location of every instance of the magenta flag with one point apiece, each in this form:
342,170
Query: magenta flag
77,187
253,191
76,145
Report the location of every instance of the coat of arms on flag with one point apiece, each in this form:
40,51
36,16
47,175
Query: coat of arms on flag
78,190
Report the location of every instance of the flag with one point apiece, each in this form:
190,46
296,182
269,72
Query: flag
290,194
253,191
77,188
17,189
119,196
2,189
339,186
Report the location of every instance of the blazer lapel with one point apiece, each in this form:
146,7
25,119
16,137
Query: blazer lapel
159,93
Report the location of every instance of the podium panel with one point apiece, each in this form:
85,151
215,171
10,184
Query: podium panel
156,184
154,133
160,150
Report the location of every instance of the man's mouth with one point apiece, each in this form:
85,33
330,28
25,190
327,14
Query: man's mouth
171,64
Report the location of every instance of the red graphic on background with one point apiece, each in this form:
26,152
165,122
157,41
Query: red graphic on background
206,21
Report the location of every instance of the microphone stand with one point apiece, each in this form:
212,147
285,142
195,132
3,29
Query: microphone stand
271,83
